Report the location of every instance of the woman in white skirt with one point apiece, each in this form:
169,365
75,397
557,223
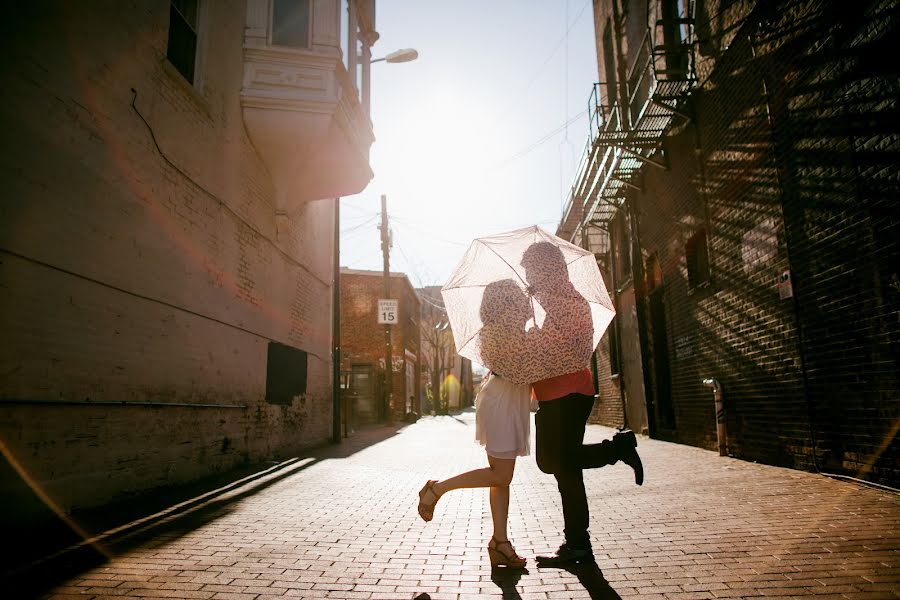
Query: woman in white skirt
502,415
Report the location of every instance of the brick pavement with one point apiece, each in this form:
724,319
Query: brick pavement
342,523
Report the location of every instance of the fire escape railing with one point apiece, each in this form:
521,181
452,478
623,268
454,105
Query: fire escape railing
622,140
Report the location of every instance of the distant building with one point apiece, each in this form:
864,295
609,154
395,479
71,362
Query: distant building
739,189
363,348
166,235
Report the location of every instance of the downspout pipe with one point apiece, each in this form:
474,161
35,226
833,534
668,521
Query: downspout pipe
721,433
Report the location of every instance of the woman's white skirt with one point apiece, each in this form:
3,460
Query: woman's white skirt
503,417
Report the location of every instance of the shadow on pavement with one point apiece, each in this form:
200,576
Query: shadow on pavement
507,579
591,577
43,550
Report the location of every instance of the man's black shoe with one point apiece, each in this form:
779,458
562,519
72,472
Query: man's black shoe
626,445
567,555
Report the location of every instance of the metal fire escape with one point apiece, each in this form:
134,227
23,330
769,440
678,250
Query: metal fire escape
623,139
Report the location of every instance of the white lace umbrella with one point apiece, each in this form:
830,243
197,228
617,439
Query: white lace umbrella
528,305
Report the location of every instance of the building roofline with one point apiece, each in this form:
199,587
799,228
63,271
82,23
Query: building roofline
394,275
349,271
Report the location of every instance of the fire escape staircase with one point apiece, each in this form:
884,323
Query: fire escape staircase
623,139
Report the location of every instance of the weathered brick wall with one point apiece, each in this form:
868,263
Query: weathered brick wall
790,165
735,329
609,408
833,104
130,277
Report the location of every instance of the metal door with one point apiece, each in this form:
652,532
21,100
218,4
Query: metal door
362,390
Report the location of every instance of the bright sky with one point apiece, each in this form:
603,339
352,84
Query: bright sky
471,138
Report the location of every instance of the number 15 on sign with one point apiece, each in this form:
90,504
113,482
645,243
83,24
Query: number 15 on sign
387,312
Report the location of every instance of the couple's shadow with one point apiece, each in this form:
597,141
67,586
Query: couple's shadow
588,574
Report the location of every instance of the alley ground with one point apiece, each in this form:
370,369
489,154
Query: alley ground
341,523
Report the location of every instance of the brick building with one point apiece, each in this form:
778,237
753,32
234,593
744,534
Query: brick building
363,347
739,188
165,250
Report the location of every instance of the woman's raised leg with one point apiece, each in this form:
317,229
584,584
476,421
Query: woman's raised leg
498,474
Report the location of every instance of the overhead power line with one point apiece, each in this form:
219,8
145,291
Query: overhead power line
552,52
544,139
430,234
365,223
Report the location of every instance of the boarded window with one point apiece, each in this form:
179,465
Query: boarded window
290,23
614,348
285,373
697,254
653,273
182,48
609,65
622,249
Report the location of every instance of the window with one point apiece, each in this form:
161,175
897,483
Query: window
675,32
621,243
285,373
614,348
609,65
182,48
697,254
290,23
653,272
345,34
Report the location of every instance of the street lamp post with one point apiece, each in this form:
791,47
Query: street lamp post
388,346
398,56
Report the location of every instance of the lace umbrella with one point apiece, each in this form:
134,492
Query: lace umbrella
527,304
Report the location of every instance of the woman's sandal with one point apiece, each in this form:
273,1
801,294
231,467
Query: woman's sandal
426,509
504,559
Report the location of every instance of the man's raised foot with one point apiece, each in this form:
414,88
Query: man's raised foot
626,451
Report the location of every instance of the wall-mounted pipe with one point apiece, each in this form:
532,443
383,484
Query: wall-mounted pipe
721,433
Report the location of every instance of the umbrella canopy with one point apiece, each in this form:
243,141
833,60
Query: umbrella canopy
527,304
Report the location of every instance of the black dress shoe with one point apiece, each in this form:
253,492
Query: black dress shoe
567,555
626,445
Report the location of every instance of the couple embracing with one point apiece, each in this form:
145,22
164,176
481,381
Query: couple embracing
502,415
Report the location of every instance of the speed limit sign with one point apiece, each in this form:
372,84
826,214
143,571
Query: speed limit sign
387,311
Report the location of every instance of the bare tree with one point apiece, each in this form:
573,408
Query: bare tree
437,344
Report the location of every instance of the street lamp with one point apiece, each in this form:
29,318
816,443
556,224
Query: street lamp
398,56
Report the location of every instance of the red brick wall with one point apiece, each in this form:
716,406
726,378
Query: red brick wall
362,338
609,409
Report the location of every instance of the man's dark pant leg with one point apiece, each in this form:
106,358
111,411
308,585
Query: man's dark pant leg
560,426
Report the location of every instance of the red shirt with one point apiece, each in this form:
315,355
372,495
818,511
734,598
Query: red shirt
579,382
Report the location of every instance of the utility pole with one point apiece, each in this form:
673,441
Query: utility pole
388,351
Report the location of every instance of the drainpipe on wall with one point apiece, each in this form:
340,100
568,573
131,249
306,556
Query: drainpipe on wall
337,418
721,433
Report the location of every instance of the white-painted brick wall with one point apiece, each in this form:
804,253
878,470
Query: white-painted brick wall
123,280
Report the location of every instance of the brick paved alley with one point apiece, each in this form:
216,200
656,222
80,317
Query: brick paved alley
342,523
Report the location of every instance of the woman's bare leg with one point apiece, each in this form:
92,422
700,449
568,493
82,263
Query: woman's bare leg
499,498
497,476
